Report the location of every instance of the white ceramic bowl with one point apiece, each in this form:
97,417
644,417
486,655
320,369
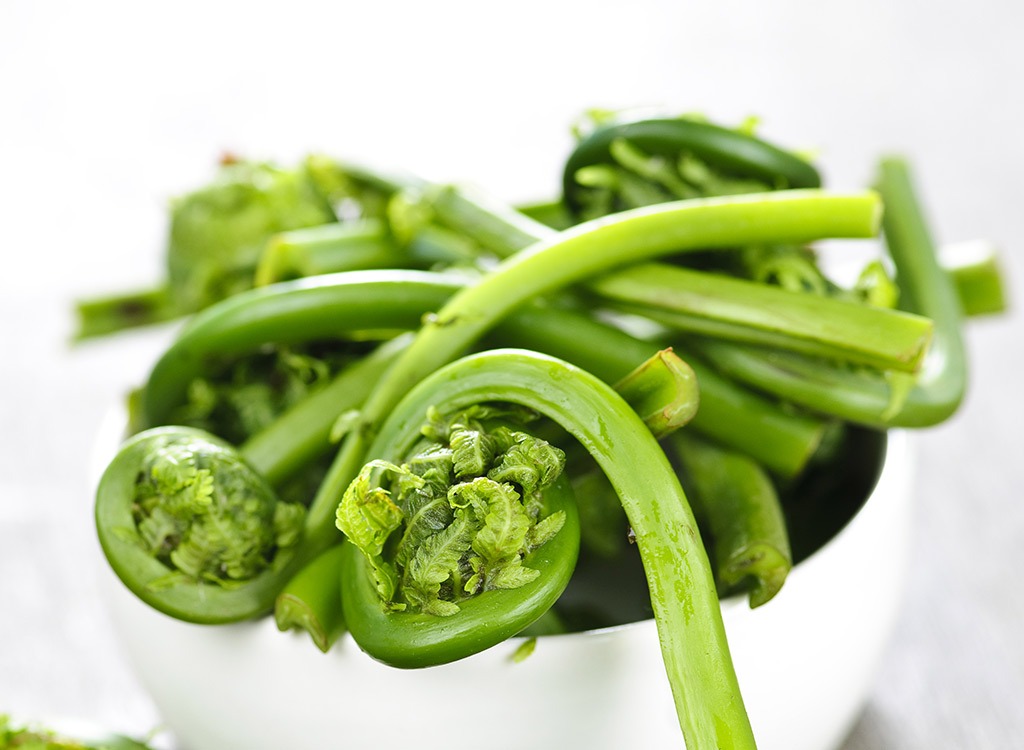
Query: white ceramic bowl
805,663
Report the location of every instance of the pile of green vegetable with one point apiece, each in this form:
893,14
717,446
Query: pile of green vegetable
407,411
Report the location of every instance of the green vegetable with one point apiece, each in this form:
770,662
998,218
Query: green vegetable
351,246
310,601
357,245
333,305
455,499
863,396
734,498
677,158
686,609
482,551
975,271
777,437
218,233
357,304
268,457
238,323
737,310
33,737
216,237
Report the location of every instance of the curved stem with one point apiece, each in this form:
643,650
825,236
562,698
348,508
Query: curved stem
237,325
324,307
686,607
662,391
335,305
924,288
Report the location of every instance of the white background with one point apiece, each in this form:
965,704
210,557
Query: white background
109,108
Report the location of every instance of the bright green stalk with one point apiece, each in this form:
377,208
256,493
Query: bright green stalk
103,315
312,601
663,391
329,248
924,288
345,305
735,500
356,246
494,225
736,309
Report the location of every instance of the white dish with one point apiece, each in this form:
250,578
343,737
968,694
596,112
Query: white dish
805,663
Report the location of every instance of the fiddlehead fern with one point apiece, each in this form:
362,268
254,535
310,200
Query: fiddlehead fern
625,163
199,509
192,513
470,503
681,584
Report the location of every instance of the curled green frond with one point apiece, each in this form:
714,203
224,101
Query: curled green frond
240,396
622,163
501,542
437,561
458,516
200,510
367,516
636,178
529,462
791,267
472,451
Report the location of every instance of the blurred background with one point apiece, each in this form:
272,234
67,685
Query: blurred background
107,109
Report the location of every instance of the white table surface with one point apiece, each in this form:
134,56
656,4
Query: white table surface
108,108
